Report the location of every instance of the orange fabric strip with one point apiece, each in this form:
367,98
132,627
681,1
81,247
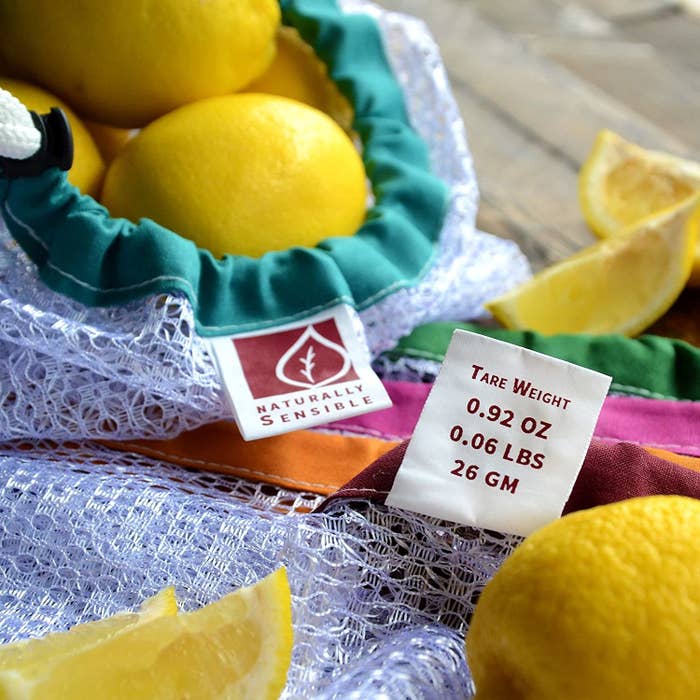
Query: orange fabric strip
685,461
302,460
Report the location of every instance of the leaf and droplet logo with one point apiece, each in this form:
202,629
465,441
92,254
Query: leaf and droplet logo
304,358
311,357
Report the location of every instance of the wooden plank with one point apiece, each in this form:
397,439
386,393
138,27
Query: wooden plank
530,123
682,319
596,51
676,36
669,94
528,193
543,18
543,98
625,9
673,34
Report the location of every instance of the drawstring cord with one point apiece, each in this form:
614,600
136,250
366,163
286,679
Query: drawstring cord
31,143
19,138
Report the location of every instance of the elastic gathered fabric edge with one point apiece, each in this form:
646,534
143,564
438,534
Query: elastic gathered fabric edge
309,18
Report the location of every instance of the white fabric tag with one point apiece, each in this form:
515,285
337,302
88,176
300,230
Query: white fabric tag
501,438
299,374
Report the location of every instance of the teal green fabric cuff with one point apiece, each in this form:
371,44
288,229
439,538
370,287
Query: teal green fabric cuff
84,253
649,366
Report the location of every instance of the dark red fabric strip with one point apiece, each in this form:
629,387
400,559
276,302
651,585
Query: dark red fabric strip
610,473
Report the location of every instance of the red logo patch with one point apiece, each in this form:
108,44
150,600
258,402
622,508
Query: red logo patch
303,358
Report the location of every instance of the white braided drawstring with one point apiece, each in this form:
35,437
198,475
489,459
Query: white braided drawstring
19,138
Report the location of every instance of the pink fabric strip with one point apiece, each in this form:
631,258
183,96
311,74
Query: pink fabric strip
670,425
394,423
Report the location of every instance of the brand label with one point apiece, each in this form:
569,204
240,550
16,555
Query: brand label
299,375
502,437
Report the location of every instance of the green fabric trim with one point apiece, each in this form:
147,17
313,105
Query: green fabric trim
84,253
649,366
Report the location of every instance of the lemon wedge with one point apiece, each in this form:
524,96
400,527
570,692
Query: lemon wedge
620,285
621,183
238,647
38,651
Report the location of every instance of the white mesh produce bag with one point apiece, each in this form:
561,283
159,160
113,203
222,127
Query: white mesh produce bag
67,370
381,598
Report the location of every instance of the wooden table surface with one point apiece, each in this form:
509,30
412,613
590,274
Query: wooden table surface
537,79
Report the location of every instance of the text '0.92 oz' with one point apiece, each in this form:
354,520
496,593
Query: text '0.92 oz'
506,417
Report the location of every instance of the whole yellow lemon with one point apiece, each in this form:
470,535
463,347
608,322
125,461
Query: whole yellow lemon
242,174
126,63
299,74
88,167
110,140
603,604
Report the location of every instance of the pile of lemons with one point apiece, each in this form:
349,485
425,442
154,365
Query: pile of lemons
207,117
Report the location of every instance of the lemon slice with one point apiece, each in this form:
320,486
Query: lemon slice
621,183
38,651
619,285
237,647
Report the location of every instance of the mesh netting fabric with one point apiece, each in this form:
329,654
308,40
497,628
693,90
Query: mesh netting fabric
42,395
140,370
406,369
67,370
381,597
470,267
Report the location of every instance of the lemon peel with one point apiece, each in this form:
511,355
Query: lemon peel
242,174
299,74
622,183
601,603
237,647
128,63
110,140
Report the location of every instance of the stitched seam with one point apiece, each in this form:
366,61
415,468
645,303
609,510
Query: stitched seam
32,233
676,401
641,391
425,354
357,491
362,430
413,352
161,278
653,443
283,319
82,283
125,288
398,284
191,460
